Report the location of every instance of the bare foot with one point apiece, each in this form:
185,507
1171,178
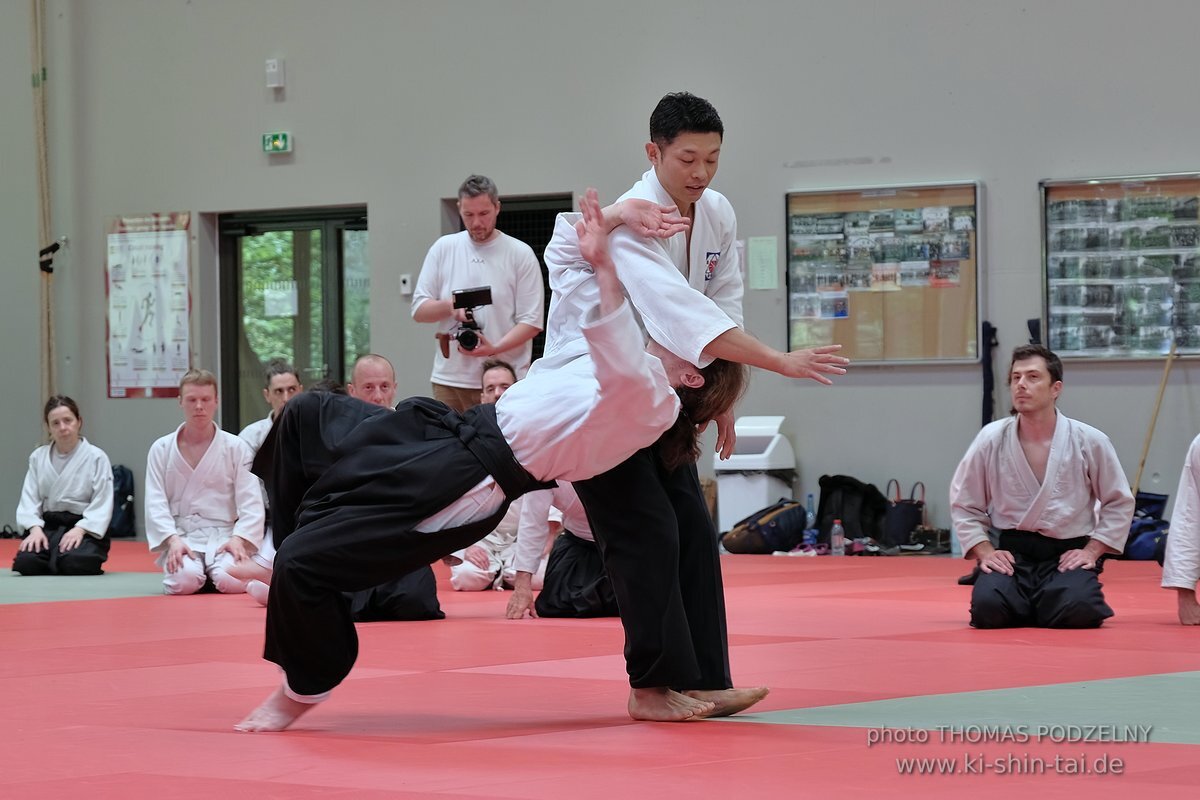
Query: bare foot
729,701
259,591
661,704
250,570
275,714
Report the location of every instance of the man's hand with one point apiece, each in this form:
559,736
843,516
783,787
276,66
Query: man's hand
237,547
520,604
593,233
483,349
1189,609
814,363
70,540
992,560
726,436
1076,559
35,542
649,219
477,556
177,550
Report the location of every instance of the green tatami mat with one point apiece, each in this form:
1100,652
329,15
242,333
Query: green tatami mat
1127,706
49,588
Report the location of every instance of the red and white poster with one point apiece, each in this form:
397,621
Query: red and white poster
148,304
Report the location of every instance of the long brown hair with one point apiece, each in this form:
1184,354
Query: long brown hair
724,383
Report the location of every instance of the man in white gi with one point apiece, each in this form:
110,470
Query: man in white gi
364,495
204,508
282,384
1181,564
573,582
1054,489
476,257
487,564
653,526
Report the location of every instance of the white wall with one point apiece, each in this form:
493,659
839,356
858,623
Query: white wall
157,105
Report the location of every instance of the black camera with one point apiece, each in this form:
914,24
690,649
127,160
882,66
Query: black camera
467,333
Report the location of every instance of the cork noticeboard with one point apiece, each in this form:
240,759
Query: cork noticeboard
889,273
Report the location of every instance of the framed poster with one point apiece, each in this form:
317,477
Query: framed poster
889,273
148,304
1121,265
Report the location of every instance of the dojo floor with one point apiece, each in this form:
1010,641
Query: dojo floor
115,691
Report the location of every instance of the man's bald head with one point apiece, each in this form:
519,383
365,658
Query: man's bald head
373,380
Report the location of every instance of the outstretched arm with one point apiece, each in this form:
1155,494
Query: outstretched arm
593,245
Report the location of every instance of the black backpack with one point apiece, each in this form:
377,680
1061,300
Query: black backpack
860,506
123,525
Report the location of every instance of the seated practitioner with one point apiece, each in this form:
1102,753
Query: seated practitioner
409,597
371,494
282,383
204,508
1181,564
1055,490
66,500
487,564
575,584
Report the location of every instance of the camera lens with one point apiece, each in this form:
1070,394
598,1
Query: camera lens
468,339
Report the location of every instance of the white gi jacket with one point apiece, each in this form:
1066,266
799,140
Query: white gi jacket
1181,567
656,277
576,420
1084,493
84,487
220,498
256,432
507,265
534,527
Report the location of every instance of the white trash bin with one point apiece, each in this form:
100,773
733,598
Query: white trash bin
761,470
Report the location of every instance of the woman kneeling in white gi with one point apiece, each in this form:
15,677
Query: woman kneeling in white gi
67,500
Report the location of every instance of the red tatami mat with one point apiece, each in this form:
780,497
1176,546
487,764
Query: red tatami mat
136,697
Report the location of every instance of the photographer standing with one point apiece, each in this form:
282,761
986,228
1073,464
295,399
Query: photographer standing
479,256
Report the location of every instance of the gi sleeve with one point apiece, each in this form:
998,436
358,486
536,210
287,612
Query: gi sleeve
1181,567
970,496
29,509
99,510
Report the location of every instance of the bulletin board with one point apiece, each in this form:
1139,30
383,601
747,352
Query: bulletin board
1122,261
889,273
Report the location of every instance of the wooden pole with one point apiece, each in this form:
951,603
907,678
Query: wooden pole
1162,387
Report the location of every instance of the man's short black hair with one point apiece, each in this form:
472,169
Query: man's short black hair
683,112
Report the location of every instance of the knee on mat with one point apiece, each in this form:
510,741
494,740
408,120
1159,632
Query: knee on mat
1078,613
27,563
78,565
472,580
182,582
990,611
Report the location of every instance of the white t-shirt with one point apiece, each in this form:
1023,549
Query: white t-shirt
511,269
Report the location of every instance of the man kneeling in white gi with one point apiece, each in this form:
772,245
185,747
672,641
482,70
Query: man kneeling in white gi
204,508
1054,489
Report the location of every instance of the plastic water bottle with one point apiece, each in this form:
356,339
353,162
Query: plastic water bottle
837,539
810,518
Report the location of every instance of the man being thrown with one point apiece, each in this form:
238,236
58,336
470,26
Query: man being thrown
1055,490
449,478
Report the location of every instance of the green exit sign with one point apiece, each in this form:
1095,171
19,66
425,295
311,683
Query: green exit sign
278,142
